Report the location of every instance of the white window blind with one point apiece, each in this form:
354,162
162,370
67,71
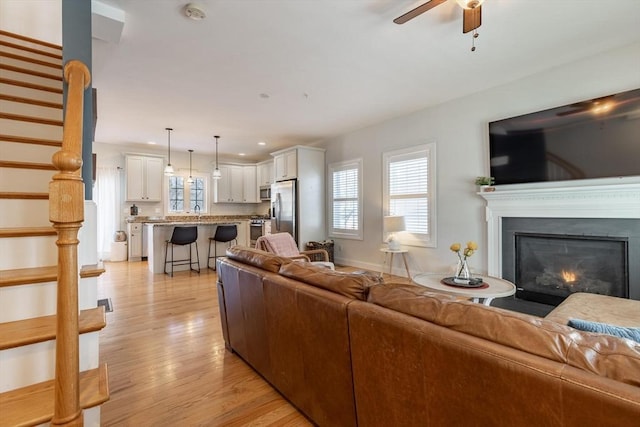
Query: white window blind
345,199
409,180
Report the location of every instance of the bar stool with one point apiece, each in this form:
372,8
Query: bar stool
224,233
182,236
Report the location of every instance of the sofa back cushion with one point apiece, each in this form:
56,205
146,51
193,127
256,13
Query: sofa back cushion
257,258
604,355
353,285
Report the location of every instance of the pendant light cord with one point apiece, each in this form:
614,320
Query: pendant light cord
169,138
216,137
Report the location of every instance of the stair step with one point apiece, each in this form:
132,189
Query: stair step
25,276
92,270
31,50
22,38
31,101
30,72
56,66
40,329
26,165
33,405
30,119
35,141
27,232
31,85
24,196
22,276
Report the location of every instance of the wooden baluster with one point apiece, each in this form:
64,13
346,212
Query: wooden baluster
66,212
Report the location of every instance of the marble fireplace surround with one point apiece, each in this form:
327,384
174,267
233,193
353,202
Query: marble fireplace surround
600,200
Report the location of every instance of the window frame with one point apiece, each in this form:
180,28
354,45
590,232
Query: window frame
428,150
340,233
186,201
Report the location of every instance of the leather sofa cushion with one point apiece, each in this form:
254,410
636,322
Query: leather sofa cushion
353,285
607,356
257,258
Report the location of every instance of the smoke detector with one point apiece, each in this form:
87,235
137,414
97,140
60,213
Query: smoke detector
195,12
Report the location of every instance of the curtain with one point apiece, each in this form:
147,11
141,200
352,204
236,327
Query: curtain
107,197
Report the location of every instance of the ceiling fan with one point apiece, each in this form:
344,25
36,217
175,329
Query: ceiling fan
471,14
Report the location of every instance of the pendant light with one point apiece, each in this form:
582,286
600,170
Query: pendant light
216,172
190,180
168,170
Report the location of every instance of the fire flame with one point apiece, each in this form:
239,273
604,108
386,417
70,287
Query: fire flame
568,276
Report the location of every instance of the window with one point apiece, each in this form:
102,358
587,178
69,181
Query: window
196,195
345,199
408,190
176,194
186,197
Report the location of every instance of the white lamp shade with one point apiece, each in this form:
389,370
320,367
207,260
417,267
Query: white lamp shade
168,170
216,174
393,224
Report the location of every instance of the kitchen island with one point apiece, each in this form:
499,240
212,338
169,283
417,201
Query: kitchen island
157,234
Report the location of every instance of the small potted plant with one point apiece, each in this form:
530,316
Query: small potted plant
485,183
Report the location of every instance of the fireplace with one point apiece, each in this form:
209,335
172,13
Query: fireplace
550,258
550,267
607,208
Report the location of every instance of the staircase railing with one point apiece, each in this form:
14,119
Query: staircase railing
66,212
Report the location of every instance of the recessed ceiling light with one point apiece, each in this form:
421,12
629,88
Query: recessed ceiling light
241,154
195,12
262,143
151,142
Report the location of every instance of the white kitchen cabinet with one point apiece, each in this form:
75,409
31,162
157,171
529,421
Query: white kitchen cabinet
265,173
230,186
286,165
134,230
144,178
250,188
237,184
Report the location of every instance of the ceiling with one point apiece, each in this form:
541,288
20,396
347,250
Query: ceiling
289,72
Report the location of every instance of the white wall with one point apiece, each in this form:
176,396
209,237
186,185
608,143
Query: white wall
460,131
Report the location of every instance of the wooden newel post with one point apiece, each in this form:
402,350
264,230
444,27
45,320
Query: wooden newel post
66,212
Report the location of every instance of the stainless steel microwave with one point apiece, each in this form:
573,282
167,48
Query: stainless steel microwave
265,192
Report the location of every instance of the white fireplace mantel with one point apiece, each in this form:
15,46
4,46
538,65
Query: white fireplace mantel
586,201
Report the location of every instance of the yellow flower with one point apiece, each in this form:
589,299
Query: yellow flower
455,247
468,252
472,245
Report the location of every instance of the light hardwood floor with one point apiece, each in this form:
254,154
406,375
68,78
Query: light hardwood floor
166,357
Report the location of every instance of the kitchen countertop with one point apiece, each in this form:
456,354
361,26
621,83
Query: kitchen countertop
203,222
184,219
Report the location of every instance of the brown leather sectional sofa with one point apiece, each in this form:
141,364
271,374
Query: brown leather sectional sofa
348,351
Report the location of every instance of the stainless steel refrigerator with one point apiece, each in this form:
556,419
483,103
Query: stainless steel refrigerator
284,208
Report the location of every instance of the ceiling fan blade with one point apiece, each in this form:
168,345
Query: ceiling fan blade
471,19
418,11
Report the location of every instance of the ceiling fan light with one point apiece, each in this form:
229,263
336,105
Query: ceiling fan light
469,4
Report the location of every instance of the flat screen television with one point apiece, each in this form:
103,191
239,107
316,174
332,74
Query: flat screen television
597,138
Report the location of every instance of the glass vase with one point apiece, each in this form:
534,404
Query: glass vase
462,270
